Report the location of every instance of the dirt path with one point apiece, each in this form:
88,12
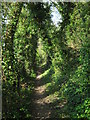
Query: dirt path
41,103
46,105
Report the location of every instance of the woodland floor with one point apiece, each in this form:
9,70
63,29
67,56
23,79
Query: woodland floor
43,102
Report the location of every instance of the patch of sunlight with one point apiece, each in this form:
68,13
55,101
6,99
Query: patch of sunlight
48,99
40,89
51,98
38,77
64,115
43,74
48,85
44,63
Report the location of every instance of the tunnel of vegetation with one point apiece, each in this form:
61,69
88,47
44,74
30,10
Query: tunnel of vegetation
30,40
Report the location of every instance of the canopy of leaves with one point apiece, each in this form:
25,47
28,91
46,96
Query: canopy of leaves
29,40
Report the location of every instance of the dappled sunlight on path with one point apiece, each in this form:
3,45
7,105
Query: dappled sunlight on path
41,107
45,105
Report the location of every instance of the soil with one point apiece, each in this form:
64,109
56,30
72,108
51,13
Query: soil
46,105
41,105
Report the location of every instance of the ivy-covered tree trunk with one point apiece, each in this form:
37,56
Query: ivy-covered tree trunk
9,37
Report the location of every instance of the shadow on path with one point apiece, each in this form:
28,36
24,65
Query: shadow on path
41,105
46,105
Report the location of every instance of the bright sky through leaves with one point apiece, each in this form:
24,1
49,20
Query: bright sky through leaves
55,16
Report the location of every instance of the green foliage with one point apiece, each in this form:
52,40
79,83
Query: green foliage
19,51
70,60
30,40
